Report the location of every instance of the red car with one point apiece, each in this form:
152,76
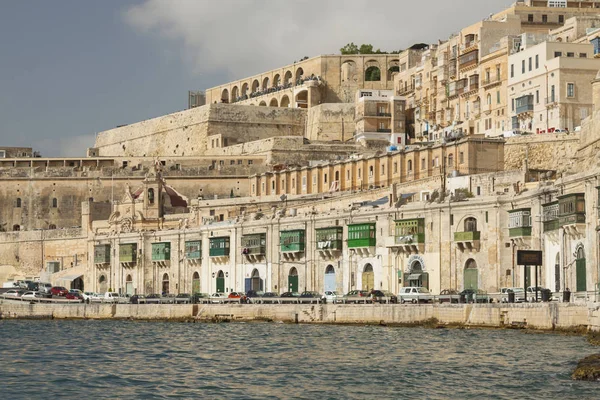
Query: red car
238,295
58,291
74,296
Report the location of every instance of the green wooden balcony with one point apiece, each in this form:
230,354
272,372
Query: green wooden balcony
254,244
523,231
361,235
102,254
193,250
466,236
409,231
219,247
292,241
161,251
551,225
128,253
330,238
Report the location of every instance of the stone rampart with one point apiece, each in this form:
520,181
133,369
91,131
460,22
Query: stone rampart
546,152
533,316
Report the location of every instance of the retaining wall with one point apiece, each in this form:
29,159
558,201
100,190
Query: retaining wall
534,316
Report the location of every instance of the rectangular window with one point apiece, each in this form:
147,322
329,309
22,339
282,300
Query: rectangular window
451,219
250,162
544,18
558,54
395,167
570,54
461,157
422,163
486,216
561,19
570,90
478,190
512,70
382,169
498,73
582,55
513,105
537,97
498,97
523,66
529,17
537,61
530,63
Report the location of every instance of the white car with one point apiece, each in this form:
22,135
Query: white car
218,297
330,296
14,293
92,297
110,297
415,295
518,291
30,295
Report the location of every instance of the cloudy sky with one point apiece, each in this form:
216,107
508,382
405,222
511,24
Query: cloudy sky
71,68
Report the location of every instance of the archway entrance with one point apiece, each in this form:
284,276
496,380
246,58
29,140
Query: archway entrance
129,285
165,284
293,280
581,270
285,101
196,283
368,277
102,284
254,283
220,282
302,99
471,280
329,283
77,284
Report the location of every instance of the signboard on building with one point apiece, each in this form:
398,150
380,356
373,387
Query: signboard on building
529,257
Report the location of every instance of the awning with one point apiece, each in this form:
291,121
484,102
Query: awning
414,277
70,278
407,195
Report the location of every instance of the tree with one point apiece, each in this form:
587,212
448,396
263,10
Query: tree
366,49
350,48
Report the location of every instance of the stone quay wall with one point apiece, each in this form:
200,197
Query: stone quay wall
532,316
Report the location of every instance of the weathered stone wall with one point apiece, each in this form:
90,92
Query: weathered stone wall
534,316
186,133
328,122
547,151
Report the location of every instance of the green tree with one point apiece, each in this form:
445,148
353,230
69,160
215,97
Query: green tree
350,48
366,49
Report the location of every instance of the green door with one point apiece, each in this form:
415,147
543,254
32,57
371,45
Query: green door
196,286
581,275
293,283
220,283
471,280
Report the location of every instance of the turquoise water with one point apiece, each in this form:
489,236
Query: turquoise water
126,359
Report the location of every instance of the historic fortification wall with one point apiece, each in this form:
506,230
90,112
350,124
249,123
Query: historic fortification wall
186,133
547,151
547,316
328,122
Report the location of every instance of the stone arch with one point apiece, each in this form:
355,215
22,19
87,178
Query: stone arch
16,228
372,74
580,269
302,99
265,83
285,101
409,166
299,74
471,279
165,283
273,103
276,80
255,86
329,281
451,161
234,94
349,71
225,96
245,89
287,78
256,282
262,104
368,277
392,71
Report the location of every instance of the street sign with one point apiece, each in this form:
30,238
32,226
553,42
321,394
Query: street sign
529,257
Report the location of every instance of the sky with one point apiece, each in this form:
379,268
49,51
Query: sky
72,68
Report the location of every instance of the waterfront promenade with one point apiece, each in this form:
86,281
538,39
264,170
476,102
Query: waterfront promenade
545,316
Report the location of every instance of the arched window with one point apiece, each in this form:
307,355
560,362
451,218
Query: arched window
285,101
225,96
330,269
165,284
54,202
265,84
409,165
373,74
151,196
299,74
276,80
51,226
470,225
16,228
18,205
392,71
287,78
489,99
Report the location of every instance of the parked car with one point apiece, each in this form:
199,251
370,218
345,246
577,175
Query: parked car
518,291
383,296
238,295
290,294
183,298
217,297
74,296
30,295
310,297
415,295
267,297
254,293
201,298
14,293
111,297
449,296
58,291
531,293
44,288
25,284
168,298
474,296
356,296
137,299
93,297
330,296
153,298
